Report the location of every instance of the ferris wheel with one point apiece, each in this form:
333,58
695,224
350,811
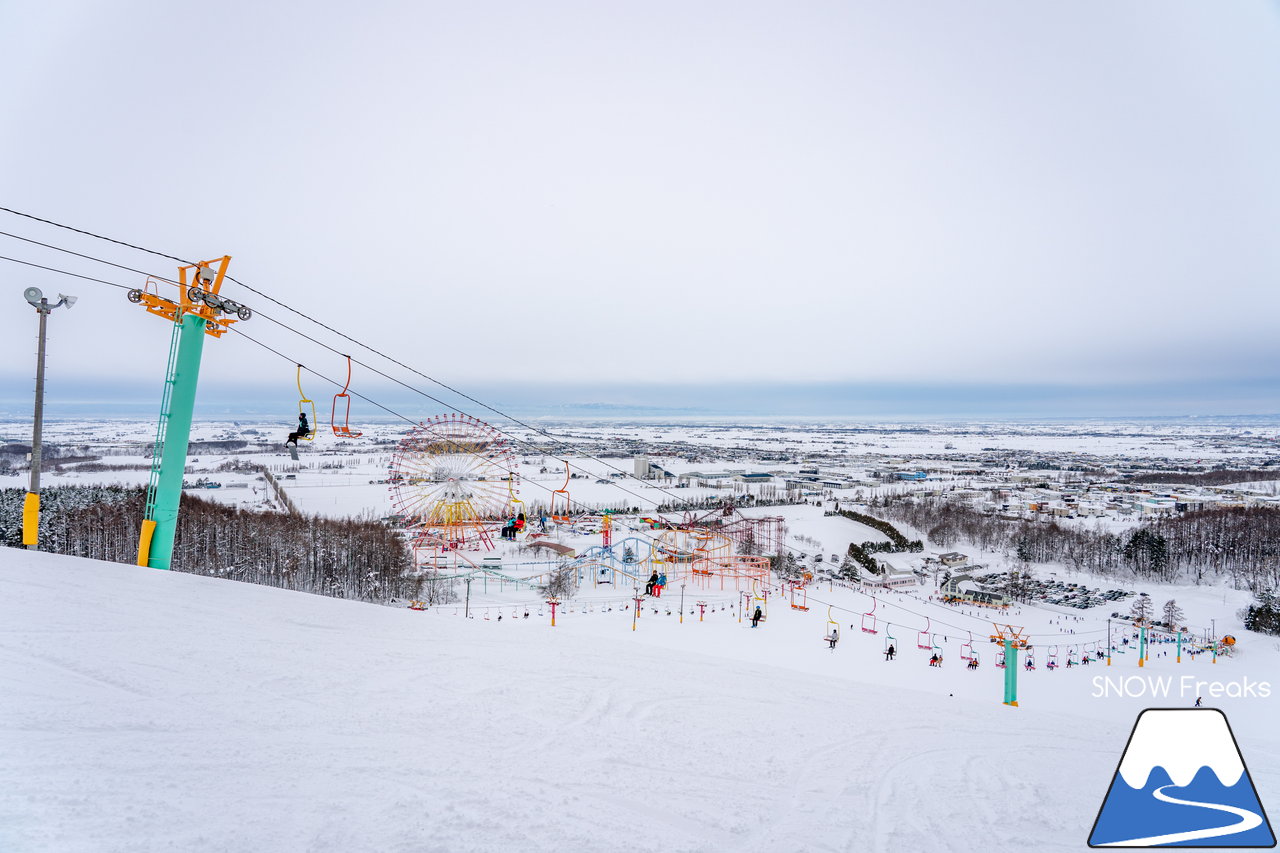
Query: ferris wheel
449,476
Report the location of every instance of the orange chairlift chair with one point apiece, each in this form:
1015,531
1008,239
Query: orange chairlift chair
344,431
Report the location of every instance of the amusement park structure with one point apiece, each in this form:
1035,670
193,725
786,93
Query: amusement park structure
454,478
451,478
751,534
198,311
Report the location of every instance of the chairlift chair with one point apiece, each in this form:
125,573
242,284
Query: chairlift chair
305,403
924,639
561,517
833,628
345,431
870,626
799,598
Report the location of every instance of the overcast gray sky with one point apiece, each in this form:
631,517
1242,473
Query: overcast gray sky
923,193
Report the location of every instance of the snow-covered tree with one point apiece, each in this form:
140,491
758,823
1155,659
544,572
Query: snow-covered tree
1142,610
1172,615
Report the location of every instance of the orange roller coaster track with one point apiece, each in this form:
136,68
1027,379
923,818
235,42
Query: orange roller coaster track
740,570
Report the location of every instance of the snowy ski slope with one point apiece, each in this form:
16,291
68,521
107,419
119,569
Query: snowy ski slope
148,710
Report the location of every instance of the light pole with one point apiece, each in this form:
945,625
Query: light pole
31,504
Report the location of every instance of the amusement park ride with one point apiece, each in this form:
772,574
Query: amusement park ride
450,479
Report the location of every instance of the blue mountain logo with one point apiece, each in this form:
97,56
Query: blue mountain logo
1182,783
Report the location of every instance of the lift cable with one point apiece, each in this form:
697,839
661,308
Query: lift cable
342,335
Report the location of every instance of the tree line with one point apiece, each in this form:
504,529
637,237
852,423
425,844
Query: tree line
343,558
1240,543
1207,478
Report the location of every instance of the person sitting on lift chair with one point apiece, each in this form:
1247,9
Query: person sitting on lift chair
304,429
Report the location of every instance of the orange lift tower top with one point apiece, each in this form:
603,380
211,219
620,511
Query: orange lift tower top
198,311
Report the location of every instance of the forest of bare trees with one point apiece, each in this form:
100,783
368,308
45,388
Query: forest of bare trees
344,558
1208,478
1242,544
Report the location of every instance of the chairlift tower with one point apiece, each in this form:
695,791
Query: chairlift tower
1012,638
198,311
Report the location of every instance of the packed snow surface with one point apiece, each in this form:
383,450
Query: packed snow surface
147,710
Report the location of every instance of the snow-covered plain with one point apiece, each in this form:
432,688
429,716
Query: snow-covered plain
148,710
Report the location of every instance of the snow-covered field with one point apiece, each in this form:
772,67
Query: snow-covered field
148,710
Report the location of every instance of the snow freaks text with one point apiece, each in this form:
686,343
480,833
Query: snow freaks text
1185,687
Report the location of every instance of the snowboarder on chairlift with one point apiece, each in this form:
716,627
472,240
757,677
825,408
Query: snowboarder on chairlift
653,581
756,617
890,652
304,429
661,584
833,637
